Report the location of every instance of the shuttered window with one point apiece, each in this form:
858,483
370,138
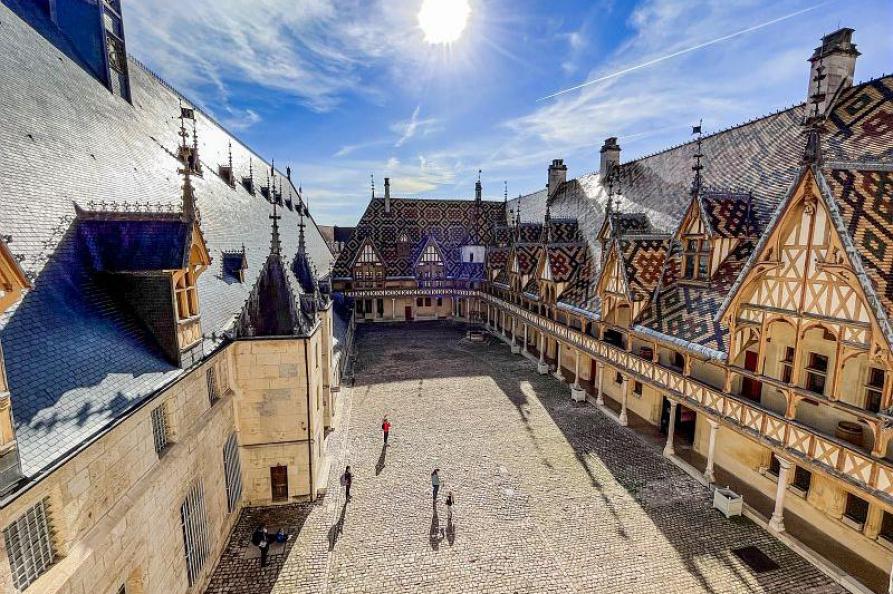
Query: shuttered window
194,519
232,468
29,546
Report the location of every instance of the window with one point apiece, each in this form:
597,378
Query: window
439,301
359,305
431,255
816,373
367,255
787,365
160,429
856,509
637,388
29,546
418,302
186,294
232,470
802,479
427,302
379,307
774,466
887,526
874,388
618,379
696,259
194,521
211,380
678,360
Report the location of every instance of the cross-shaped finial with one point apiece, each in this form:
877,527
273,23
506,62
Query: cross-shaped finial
275,243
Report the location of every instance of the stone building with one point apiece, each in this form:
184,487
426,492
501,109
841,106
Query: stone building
171,351
733,292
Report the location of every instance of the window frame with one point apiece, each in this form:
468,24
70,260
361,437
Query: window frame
696,252
161,433
29,545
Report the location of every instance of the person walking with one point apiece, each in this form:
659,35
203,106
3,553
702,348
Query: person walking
385,429
435,483
449,504
348,481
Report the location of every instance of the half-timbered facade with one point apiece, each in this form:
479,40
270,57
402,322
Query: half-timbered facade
749,325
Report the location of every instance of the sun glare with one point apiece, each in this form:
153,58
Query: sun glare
443,21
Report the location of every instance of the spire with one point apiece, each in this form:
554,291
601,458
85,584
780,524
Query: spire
275,243
813,153
190,210
372,182
478,189
697,167
288,172
301,245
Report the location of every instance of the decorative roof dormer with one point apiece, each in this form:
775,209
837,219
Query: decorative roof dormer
226,171
235,263
276,305
248,182
304,270
13,281
150,259
429,264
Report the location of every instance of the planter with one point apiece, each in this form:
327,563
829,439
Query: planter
727,501
850,431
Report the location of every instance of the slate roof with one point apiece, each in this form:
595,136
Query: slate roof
580,295
75,360
643,258
527,256
451,223
565,259
135,245
728,214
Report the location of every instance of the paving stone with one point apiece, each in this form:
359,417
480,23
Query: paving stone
551,496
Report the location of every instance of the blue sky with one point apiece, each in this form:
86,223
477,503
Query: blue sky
340,89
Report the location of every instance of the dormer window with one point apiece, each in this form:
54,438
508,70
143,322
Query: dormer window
696,259
186,293
431,256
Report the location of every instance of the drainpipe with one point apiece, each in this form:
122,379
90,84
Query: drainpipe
309,426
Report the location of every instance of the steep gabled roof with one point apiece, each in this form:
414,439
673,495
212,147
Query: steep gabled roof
643,259
452,223
728,214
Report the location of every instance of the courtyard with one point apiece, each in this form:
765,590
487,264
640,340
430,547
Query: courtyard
551,496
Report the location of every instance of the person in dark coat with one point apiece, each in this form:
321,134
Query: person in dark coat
261,540
348,481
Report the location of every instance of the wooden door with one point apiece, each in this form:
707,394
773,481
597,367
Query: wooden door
279,483
407,313
751,388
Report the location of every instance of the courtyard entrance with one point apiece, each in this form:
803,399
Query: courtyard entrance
550,496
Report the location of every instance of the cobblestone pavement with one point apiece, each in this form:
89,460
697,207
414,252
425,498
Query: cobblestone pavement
550,496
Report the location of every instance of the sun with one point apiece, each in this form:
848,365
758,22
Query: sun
443,21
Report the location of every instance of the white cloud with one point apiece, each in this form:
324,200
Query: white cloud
407,129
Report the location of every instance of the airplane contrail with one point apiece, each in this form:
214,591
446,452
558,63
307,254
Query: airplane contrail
685,51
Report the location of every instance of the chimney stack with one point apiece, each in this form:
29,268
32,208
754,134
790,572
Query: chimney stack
387,194
610,157
837,55
557,175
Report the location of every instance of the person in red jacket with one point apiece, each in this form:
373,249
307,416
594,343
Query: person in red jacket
385,429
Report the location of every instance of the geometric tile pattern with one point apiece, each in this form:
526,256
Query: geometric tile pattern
865,201
643,260
401,234
729,214
564,259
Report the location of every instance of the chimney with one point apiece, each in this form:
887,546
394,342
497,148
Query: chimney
610,157
837,55
557,174
387,194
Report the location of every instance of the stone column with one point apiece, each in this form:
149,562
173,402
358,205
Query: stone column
776,522
393,308
515,348
711,451
599,395
524,346
577,392
558,375
671,430
505,332
625,387
542,367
